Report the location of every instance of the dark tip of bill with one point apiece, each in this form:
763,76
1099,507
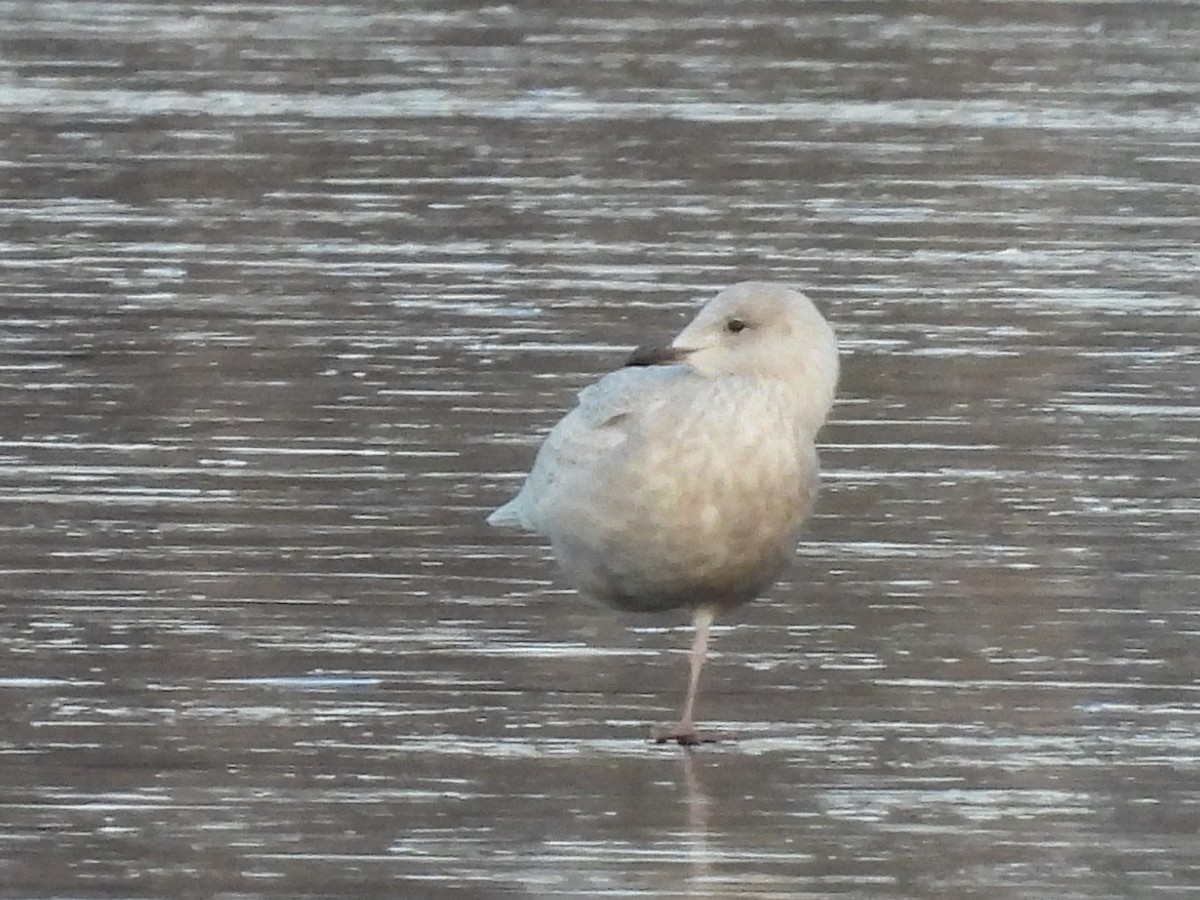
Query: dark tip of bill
653,356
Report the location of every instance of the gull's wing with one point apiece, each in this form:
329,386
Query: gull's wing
584,438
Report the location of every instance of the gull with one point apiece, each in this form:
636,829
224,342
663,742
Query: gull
684,478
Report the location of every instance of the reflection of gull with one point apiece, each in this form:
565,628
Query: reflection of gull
697,830
683,479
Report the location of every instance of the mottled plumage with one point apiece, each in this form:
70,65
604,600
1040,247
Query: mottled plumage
684,478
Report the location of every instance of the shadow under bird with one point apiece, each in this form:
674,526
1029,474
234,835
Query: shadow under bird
684,478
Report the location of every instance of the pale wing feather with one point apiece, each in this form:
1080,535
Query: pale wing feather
599,424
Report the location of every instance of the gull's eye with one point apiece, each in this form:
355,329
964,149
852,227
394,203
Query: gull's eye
733,326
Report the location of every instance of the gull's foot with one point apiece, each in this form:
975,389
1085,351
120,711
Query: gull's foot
685,736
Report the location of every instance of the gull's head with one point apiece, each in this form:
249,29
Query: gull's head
759,330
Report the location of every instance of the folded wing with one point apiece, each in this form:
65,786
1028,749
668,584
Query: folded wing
605,415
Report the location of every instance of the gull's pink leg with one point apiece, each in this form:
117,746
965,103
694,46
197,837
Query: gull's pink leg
685,732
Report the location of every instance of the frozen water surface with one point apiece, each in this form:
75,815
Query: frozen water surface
288,291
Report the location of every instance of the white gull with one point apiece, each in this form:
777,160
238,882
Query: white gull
683,479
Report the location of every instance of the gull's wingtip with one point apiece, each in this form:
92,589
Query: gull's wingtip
506,515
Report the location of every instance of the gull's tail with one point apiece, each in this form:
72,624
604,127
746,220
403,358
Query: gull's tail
505,515
511,515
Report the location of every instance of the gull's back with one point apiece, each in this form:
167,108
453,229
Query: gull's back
585,441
